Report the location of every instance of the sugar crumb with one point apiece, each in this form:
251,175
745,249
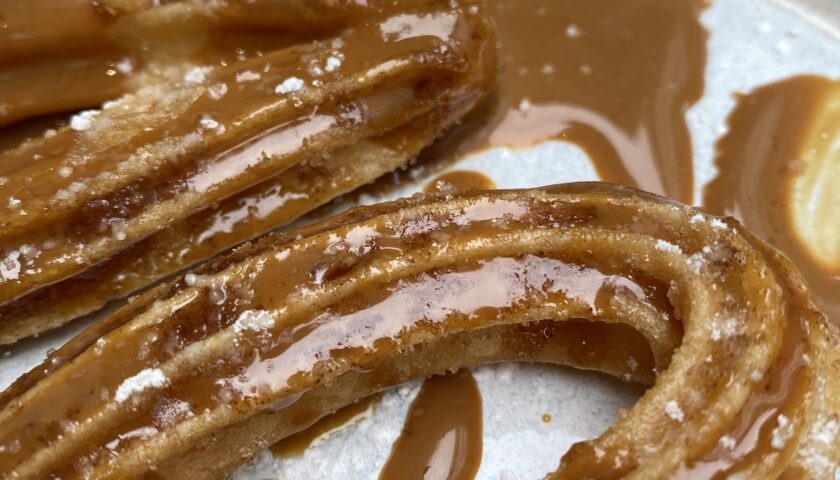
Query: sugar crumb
666,246
673,410
253,320
332,64
291,84
217,91
247,76
148,378
782,433
718,224
83,120
196,75
727,442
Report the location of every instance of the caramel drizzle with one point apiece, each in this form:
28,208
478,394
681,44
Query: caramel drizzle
613,78
364,327
220,170
297,443
442,435
460,181
774,139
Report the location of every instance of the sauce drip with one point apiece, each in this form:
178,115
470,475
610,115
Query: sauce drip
441,438
777,165
614,78
295,445
460,181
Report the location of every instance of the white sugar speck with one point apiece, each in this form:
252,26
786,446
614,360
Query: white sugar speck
65,171
125,66
665,246
673,410
217,91
210,124
190,279
718,224
148,378
727,442
253,320
724,329
196,75
83,120
247,76
172,411
573,31
291,84
332,64
782,432
697,219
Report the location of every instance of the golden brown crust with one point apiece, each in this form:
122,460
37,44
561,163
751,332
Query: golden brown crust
166,177
193,378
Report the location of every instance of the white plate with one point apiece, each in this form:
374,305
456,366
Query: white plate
752,42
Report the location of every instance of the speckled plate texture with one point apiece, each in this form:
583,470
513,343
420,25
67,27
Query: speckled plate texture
751,43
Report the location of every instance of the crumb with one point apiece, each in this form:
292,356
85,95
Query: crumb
673,410
291,84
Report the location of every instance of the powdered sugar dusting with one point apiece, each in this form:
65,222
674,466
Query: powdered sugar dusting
666,246
83,120
148,378
253,320
247,76
673,410
782,432
289,85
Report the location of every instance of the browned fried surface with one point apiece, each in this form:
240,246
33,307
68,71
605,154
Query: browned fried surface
171,175
194,377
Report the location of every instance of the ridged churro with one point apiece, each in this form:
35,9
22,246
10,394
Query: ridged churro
197,375
168,176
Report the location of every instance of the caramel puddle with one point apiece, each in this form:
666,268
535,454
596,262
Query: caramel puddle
779,165
295,445
614,78
460,181
442,435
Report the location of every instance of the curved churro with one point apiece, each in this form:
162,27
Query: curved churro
163,178
195,376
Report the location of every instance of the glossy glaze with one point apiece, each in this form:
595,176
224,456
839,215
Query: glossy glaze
250,156
541,275
778,165
295,444
613,78
460,181
442,435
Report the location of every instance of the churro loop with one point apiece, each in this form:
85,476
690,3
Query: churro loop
194,377
171,175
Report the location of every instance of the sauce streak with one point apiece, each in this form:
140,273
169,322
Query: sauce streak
777,165
460,181
614,78
442,435
295,445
